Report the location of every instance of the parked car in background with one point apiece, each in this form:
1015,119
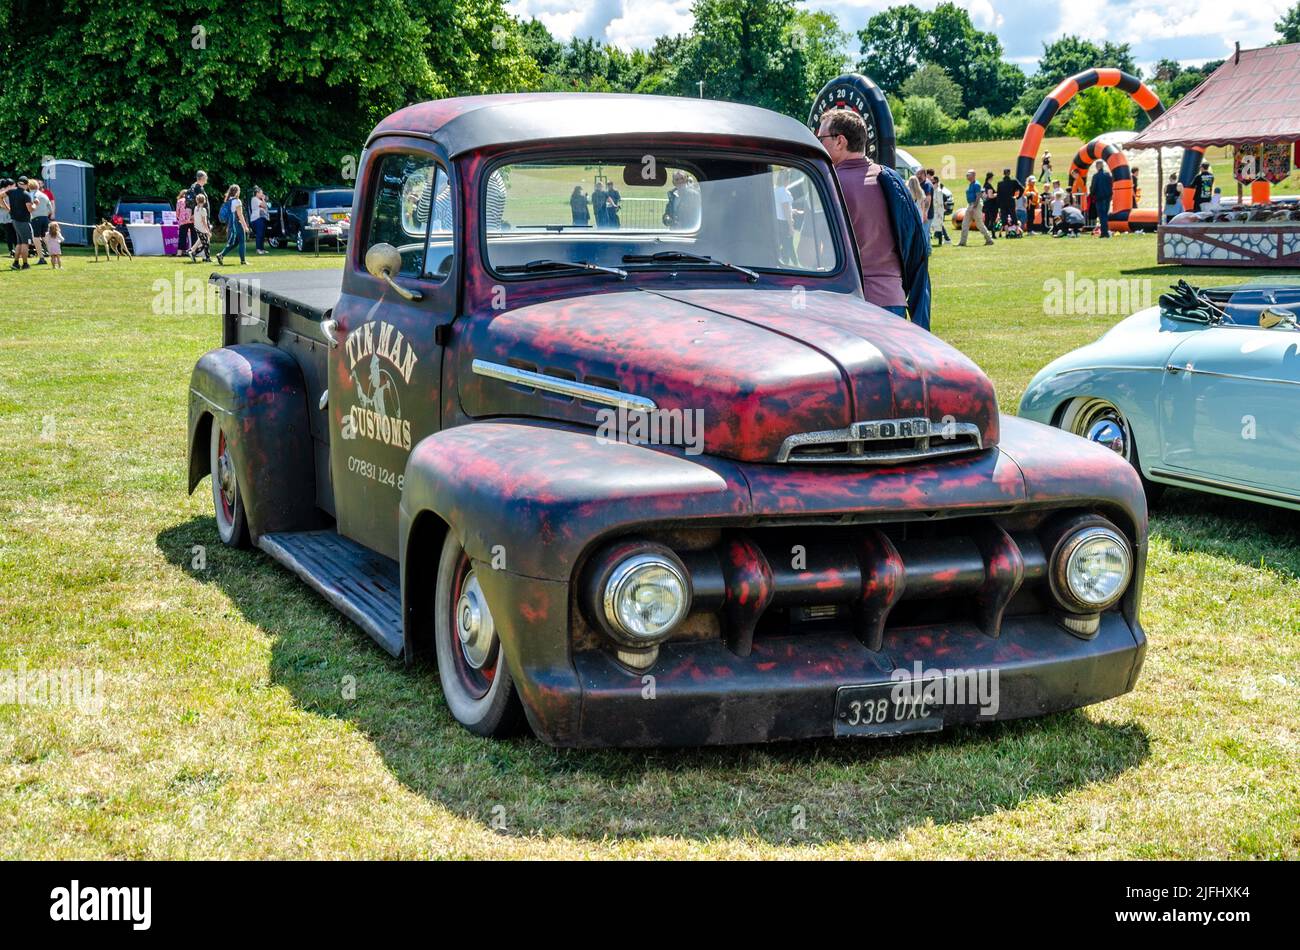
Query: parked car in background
1200,392
311,215
828,530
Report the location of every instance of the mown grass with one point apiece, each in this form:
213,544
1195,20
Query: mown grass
228,730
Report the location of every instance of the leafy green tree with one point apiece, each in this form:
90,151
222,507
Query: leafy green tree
741,51
1289,26
932,82
923,122
900,40
820,46
273,92
891,46
1098,111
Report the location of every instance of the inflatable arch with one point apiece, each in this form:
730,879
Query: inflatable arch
1123,216
1140,93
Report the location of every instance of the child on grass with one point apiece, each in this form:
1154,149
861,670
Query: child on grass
54,245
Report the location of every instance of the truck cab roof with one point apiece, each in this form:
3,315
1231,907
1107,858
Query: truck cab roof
470,123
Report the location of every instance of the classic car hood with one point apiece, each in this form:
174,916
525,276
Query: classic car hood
753,367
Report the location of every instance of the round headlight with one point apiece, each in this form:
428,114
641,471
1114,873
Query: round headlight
645,597
1093,568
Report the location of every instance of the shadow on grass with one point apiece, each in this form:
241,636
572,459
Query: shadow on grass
1248,532
789,793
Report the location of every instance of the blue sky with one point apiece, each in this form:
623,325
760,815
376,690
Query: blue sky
1190,32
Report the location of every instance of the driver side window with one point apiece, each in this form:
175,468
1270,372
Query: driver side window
413,211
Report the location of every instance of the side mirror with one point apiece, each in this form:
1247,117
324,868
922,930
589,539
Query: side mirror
383,261
1272,317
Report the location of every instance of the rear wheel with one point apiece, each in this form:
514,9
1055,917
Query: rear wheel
472,668
1101,422
227,500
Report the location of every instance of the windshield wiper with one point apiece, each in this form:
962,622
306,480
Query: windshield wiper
688,256
547,263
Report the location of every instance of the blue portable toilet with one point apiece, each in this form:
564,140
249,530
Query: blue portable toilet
73,183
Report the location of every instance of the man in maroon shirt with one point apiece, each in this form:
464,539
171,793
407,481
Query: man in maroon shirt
844,136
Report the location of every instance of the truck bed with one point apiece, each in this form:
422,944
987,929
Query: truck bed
308,293
284,309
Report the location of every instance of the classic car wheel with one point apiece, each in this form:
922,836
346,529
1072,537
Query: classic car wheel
1099,421
274,242
472,668
227,501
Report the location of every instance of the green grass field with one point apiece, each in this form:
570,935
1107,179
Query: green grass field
227,730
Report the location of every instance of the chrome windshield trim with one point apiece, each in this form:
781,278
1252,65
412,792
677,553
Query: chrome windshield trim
562,387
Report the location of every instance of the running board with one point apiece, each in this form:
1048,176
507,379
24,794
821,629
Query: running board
364,586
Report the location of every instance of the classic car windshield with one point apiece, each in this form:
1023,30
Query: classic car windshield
646,212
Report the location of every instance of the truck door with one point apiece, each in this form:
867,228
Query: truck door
386,369
1228,408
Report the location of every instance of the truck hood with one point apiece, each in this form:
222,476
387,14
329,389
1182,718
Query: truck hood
747,368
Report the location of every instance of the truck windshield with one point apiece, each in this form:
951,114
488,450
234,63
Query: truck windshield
651,212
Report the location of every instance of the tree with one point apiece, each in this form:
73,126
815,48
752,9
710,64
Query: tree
1100,110
900,40
819,45
1289,26
741,50
891,46
273,92
923,122
933,82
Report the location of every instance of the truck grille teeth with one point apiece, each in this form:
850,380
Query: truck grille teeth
869,574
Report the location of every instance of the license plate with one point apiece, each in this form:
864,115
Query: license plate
337,217
886,709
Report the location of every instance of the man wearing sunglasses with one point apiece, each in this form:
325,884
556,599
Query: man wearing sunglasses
893,245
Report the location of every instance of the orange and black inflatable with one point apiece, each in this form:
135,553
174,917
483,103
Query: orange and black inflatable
1123,216
1139,91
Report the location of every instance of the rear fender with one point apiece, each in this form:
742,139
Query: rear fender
257,393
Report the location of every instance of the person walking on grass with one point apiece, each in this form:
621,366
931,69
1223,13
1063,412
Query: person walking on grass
232,216
974,210
42,212
18,202
184,221
258,216
201,228
1101,193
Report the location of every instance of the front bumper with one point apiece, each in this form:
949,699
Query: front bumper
703,694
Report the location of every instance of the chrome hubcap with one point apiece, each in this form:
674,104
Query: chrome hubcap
1110,433
226,475
474,626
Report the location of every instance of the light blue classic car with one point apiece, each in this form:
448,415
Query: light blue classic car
1202,391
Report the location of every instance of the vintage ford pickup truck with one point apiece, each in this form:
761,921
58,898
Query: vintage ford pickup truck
597,417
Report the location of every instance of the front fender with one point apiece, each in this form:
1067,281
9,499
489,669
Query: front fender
526,500
257,393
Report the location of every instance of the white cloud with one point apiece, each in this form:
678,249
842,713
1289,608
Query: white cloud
1190,31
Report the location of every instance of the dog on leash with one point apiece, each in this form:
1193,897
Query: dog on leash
111,239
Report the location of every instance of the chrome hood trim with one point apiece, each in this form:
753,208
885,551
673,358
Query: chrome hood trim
563,387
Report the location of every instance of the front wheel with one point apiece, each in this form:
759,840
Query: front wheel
472,668
275,242
1101,422
227,500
